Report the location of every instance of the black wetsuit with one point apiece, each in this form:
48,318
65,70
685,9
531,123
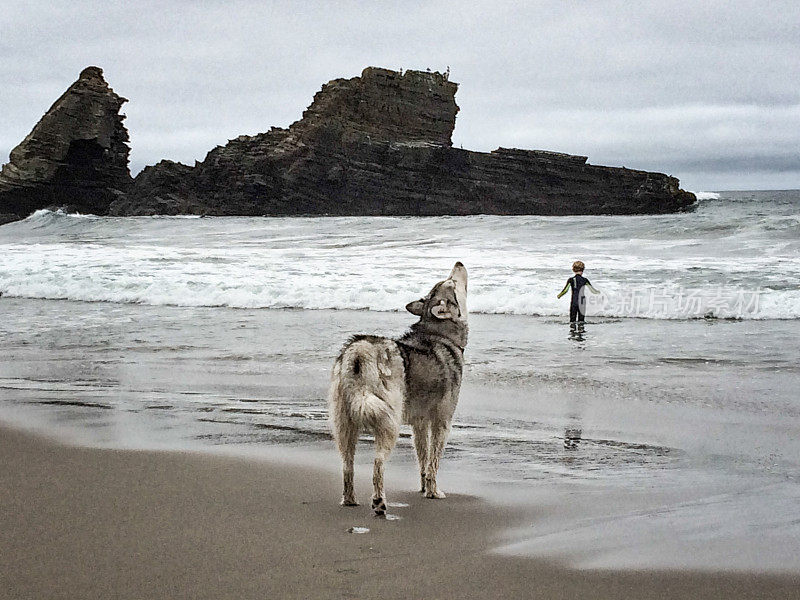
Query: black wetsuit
577,307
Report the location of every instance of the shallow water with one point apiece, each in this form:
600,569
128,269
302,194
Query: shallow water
687,421
645,393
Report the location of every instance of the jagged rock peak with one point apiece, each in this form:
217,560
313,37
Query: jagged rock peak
386,105
79,144
92,72
85,119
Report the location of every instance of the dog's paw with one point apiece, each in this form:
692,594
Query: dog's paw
379,506
437,495
349,502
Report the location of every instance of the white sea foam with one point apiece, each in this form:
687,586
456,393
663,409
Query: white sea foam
694,265
707,195
44,216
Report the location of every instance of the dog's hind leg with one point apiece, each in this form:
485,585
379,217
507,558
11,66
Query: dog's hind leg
439,433
421,442
384,444
347,438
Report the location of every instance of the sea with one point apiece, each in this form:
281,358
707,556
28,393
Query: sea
667,426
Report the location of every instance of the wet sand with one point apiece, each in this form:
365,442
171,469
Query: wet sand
96,523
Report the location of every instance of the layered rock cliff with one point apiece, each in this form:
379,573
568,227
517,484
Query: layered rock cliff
76,156
378,144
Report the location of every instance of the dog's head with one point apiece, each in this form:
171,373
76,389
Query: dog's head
446,301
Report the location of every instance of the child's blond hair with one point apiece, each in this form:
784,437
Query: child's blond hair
578,266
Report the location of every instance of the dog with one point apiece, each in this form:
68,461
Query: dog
379,383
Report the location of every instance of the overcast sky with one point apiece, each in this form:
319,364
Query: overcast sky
706,91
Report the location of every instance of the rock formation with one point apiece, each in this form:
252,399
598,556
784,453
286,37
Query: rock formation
378,144
76,156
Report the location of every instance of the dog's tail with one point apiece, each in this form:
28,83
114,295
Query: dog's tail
359,393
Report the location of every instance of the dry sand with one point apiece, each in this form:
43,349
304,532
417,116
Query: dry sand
89,523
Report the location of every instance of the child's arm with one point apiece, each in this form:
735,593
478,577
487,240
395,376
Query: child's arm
591,289
566,287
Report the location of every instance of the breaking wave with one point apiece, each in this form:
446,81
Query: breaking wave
738,258
707,195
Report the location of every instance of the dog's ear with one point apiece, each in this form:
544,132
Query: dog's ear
415,307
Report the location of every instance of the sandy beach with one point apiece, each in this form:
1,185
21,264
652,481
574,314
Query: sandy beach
92,523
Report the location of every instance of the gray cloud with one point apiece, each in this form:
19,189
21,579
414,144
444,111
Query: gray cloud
704,91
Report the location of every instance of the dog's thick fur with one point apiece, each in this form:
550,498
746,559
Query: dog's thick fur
378,383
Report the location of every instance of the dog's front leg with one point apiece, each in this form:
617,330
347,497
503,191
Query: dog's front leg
439,433
421,441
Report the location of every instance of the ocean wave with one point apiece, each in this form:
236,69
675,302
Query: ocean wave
307,291
44,215
59,218
707,195
732,259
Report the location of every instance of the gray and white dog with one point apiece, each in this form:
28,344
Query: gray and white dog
379,383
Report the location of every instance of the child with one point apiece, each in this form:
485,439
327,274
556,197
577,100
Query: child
577,308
